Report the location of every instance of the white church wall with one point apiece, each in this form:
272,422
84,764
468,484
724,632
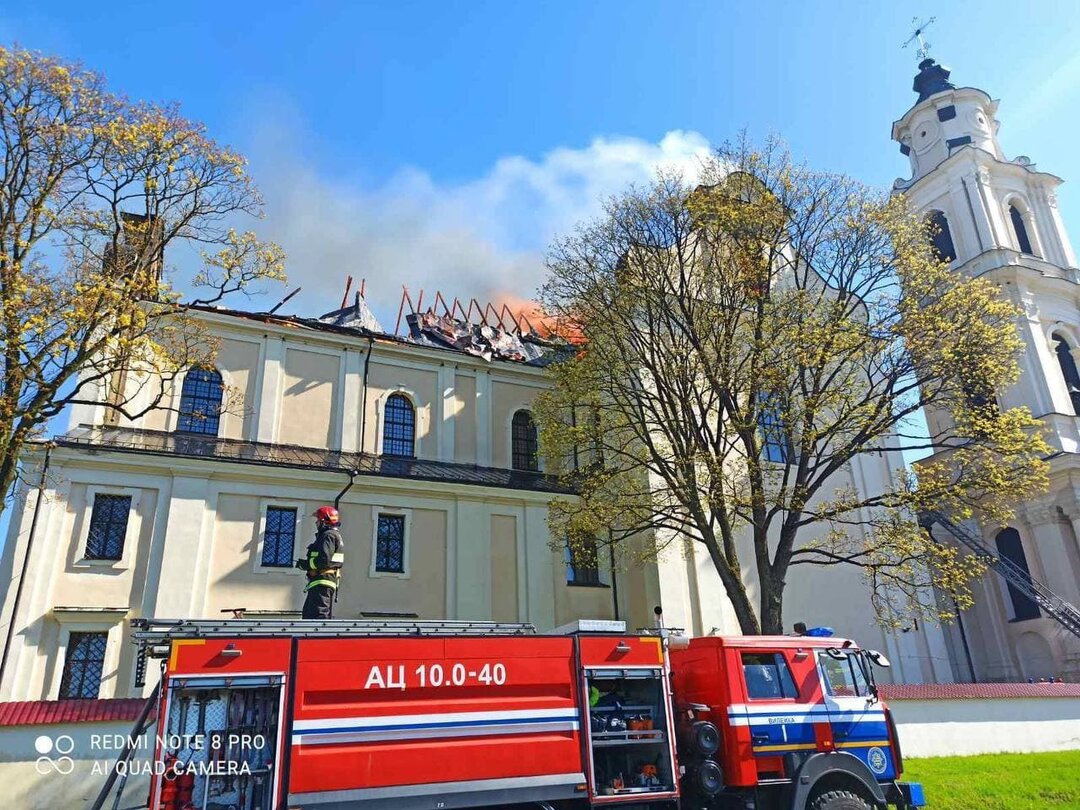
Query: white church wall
963,727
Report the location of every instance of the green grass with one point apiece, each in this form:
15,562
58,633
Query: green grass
1049,781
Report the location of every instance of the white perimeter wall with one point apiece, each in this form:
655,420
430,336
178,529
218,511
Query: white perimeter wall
943,727
26,783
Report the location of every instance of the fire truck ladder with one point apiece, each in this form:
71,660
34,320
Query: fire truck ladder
1064,613
149,631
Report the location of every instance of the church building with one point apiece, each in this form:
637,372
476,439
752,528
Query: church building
426,441
998,218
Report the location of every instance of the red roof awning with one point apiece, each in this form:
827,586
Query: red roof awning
47,712
978,691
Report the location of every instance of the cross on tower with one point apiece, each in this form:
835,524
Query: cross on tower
917,36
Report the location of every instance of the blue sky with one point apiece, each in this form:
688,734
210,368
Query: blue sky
443,144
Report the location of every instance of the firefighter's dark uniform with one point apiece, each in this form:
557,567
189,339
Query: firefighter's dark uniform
325,557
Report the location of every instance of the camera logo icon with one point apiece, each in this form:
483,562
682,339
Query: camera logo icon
54,754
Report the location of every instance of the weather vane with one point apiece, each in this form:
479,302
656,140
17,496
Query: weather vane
917,36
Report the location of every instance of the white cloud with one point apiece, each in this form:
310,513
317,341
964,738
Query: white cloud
479,238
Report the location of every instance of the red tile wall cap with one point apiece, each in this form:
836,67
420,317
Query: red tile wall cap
48,712
978,691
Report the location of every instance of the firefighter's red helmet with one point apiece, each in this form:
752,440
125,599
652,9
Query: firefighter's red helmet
327,514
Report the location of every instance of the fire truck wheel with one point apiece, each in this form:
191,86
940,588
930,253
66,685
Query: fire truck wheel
839,800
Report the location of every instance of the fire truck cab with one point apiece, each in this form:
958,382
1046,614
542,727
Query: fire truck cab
373,715
799,722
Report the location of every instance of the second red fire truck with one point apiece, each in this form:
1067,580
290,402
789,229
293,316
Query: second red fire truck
401,715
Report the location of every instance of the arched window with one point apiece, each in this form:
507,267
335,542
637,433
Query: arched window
399,427
523,451
941,237
1068,371
200,402
1020,229
1010,548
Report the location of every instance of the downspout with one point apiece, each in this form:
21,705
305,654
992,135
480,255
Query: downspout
25,562
614,576
363,397
964,641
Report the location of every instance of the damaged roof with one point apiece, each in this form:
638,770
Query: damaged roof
428,329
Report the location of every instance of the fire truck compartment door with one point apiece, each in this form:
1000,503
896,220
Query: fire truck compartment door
858,719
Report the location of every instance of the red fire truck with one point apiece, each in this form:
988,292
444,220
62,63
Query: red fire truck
374,715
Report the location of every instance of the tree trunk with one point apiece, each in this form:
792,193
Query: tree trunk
772,606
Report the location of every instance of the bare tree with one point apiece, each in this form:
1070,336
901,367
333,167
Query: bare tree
94,189
746,341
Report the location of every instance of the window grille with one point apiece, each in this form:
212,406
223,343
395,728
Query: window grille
390,544
399,427
83,666
279,538
200,402
108,527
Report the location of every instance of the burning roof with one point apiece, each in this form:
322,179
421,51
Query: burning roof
480,331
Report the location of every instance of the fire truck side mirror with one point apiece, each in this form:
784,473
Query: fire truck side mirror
878,658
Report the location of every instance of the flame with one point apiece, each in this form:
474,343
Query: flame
547,326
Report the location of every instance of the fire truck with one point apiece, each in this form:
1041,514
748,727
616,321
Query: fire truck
404,715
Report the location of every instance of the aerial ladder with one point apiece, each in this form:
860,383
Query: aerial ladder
1064,613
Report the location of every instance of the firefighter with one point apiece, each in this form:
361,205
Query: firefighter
325,557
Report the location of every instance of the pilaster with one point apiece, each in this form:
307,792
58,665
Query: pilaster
1048,543
270,392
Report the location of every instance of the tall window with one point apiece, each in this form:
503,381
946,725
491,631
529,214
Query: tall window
200,402
1068,371
279,537
941,237
399,427
390,545
1011,548
582,562
523,442
775,442
108,527
83,665
1020,229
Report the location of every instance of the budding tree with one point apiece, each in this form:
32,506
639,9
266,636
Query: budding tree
93,190
746,341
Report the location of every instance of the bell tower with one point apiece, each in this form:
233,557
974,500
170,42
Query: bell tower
998,218
987,202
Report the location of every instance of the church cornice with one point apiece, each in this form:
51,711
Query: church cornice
982,161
